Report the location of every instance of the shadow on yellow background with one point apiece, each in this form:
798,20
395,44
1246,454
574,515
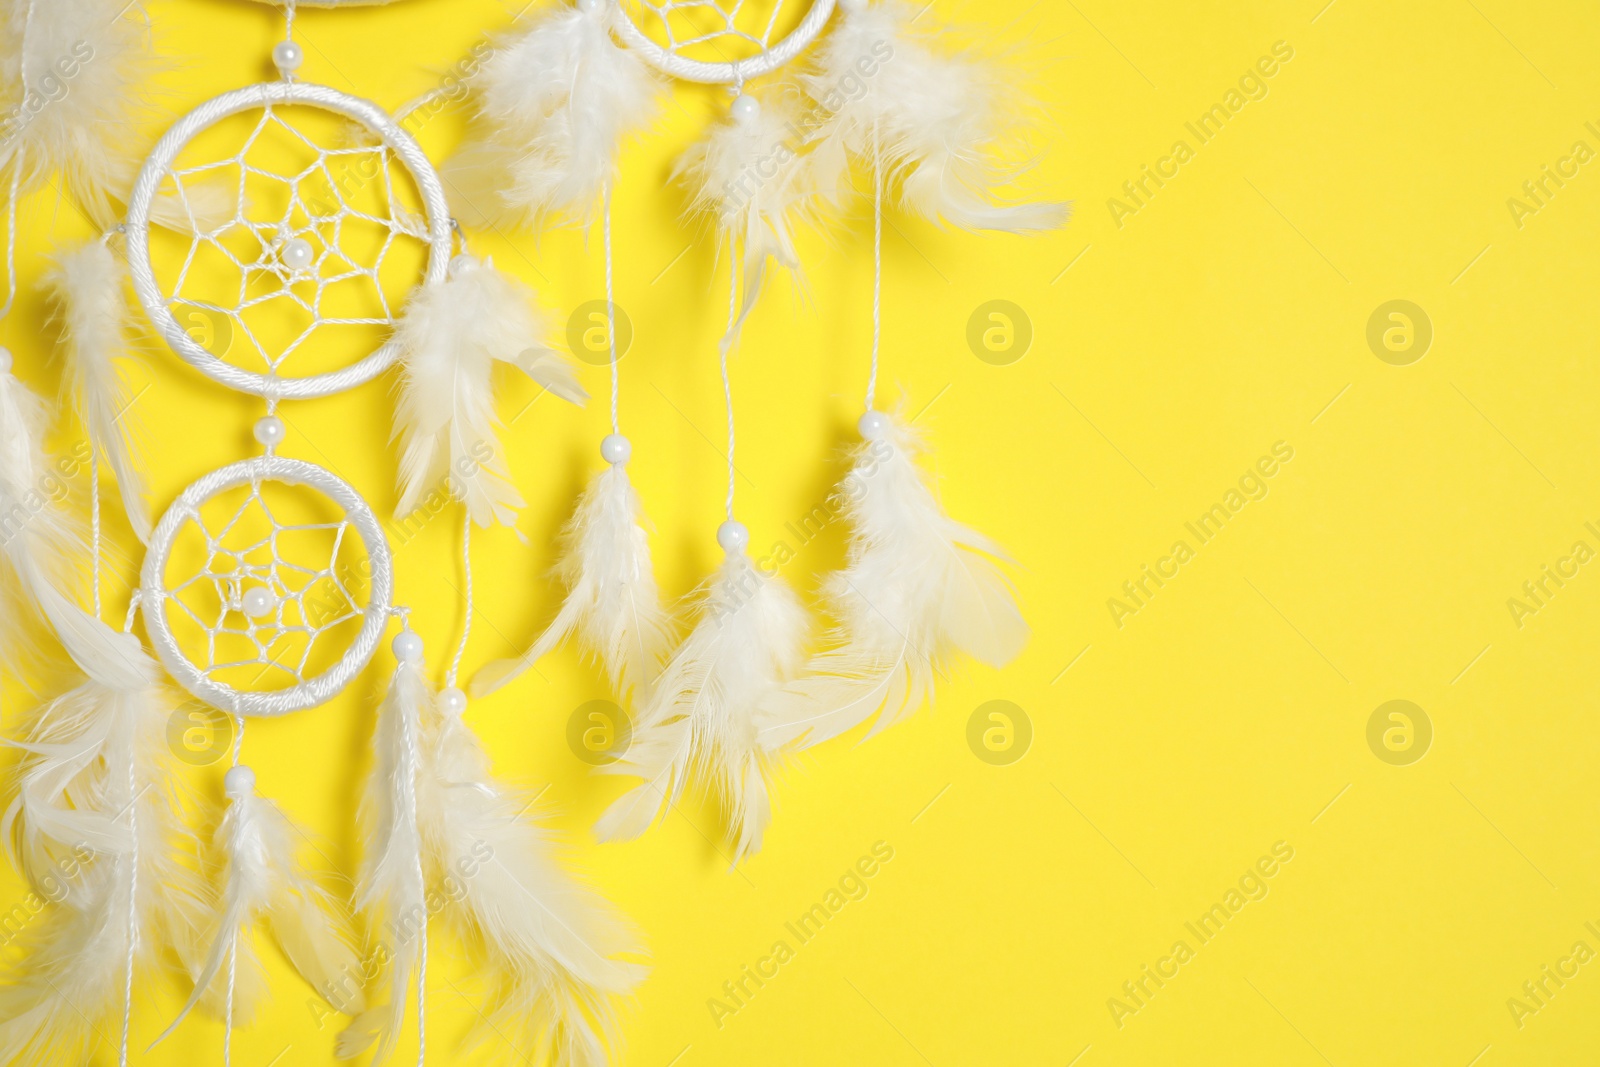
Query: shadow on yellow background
1304,428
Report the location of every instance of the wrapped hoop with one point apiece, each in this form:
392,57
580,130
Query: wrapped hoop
155,594
265,95
733,72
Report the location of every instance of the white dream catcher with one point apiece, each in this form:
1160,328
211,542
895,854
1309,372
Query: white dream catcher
266,588
879,93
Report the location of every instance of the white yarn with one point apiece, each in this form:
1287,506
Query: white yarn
722,360
466,623
611,314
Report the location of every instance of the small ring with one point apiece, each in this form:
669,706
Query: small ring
375,616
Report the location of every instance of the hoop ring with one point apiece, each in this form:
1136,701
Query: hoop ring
375,618
160,162
730,73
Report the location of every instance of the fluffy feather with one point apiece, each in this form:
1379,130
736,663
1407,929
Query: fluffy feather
917,588
701,723
262,881
94,778
549,946
612,601
749,176
450,336
391,891
553,107
88,287
935,118
40,549
80,61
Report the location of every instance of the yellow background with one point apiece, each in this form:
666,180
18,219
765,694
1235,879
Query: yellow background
1168,754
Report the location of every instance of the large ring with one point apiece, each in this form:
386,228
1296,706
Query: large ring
265,95
734,72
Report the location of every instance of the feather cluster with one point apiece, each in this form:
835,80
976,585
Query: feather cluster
917,589
263,882
40,548
749,176
95,828
444,832
553,106
450,336
883,91
553,953
392,891
68,69
612,603
88,287
701,722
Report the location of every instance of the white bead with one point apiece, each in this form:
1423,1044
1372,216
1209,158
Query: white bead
874,426
407,647
269,430
297,254
5,360
239,782
452,701
461,264
745,109
733,536
287,56
257,602
615,448
591,7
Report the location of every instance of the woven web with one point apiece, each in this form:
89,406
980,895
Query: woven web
337,190
317,591
715,30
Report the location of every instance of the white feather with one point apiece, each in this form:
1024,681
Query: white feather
750,177
450,336
84,62
263,882
549,947
917,588
936,119
554,105
80,61
95,766
612,601
700,723
41,550
88,286
391,891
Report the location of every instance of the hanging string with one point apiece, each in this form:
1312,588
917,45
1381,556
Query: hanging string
288,20
727,387
233,945
412,764
877,263
94,521
611,313
11,229
466,626
17,163
133,908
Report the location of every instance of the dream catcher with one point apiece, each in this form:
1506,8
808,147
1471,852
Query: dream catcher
877,95
313,250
